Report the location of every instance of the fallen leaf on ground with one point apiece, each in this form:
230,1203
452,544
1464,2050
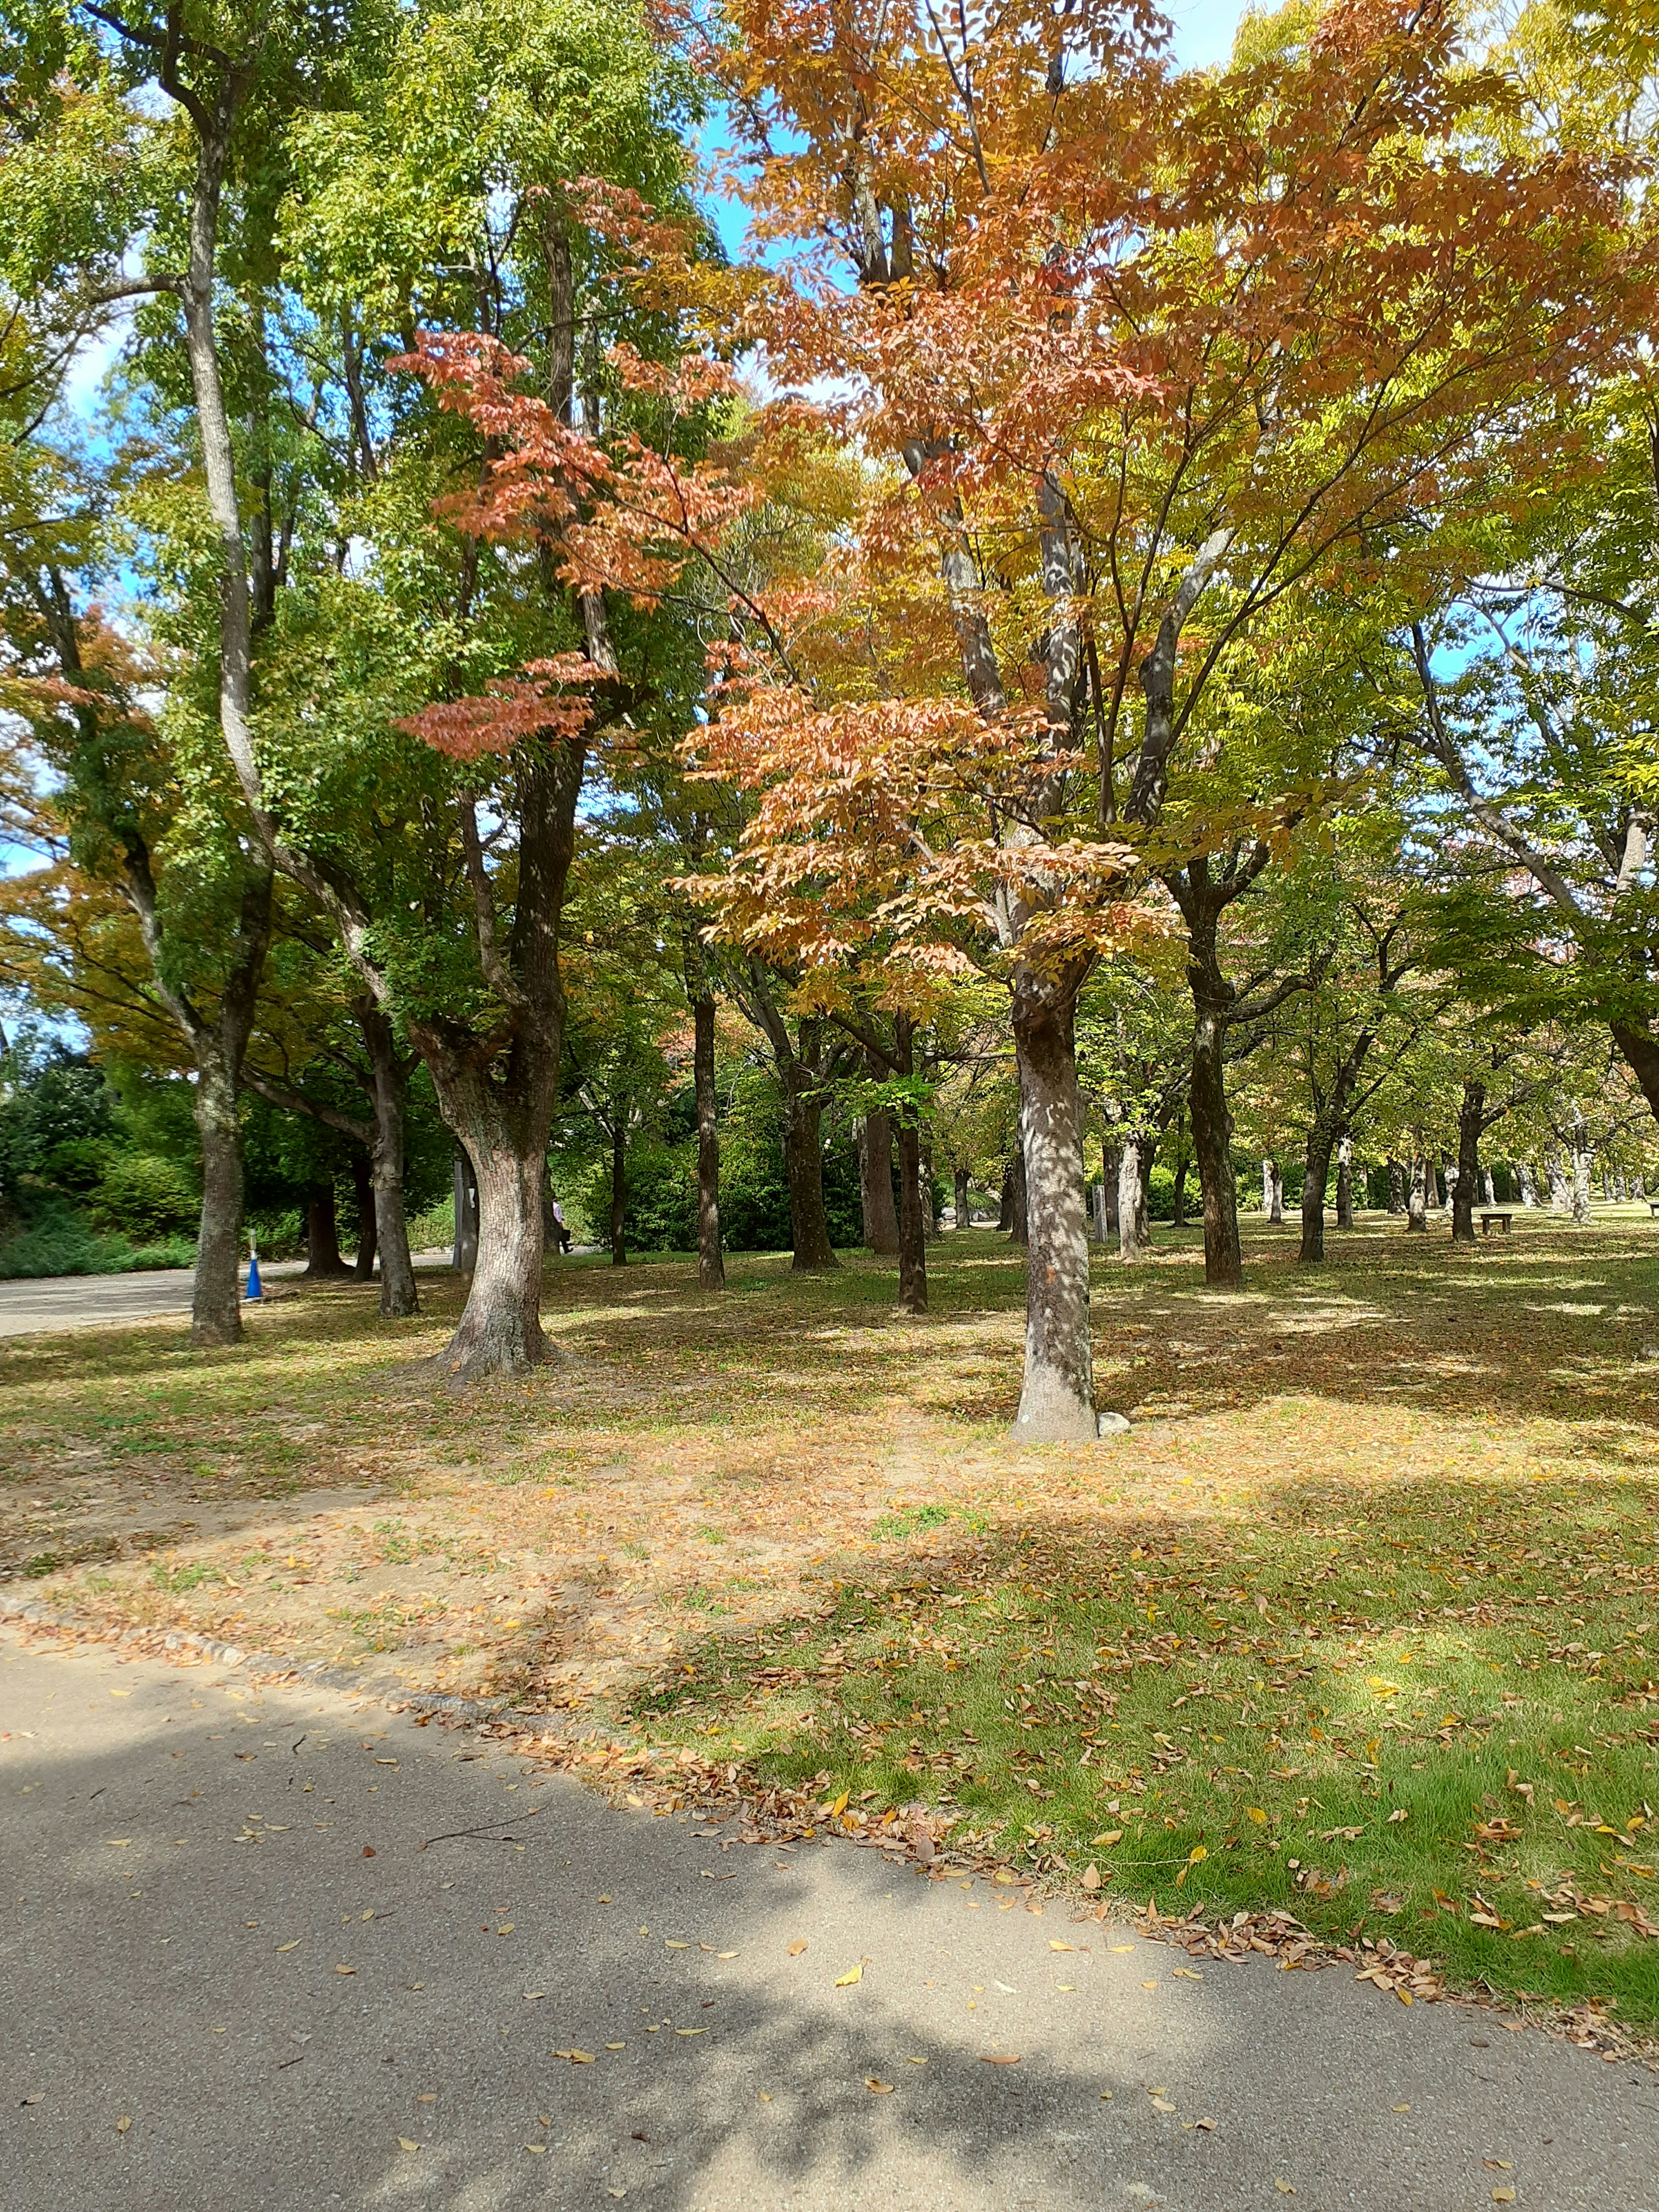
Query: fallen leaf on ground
1208,2126
1112,1836
537,2148
999,2059
1162,2104
1055,1944
345,1970
853,1974
294,1946
669,1944
403,2143
690,2031
795,1950
878,2089
1503,2197
1092,1877
576,2057
616,2046
534,1997
913,2062
118,1843
1149,1985
1284,2188
124,2123
1403,2108
1498,2165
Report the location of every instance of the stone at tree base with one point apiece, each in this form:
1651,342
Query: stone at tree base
1113,1424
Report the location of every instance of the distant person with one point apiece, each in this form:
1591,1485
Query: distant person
559,1229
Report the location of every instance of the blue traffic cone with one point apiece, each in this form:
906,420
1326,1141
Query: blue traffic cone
255,1288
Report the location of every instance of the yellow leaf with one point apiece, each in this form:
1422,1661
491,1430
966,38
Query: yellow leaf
1404,1995
913,2062
1092,1877
1284,2188
678,2031
1255,1814
878,2089
1055,1944
1403,2108
345,1970
795,1950
1112,1836
616,2046
1503,2197
839,1807
1196,1854
537,2148
118,1843
294,1946
124,2123
1149,1985
853,1974
725,1954
669,1944
505,1928
534,1997
999,2059
403,2143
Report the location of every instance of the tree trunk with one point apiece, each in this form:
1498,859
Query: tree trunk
1111,1167
1417,1205
1005,1205
501,1327
1560,1188
1178,1196
1583,1160
915,1205
803,1160
711,1267
881,1225
1321,1143
322,1260
1102,1230
1345,1182
964,1210
1212,1131
1267,1187
1019,1230
388,1088
1057,1398
216,1313
1396,1186
1640,1049
1134,1237
1524,1182
362,1189
1468,1159
1489,1189
1276,1196
618,1185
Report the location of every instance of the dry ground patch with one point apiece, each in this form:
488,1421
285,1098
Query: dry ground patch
1379,1544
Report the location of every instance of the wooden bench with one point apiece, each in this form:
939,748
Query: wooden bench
1653,1205
1502,1219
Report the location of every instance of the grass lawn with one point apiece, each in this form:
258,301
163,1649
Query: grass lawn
1359,1619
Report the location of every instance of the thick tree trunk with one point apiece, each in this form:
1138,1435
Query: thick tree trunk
1430,1182
1019,1211
1006,1204
1640,1049
1102,1231
1396,1186
881,1225
1276,1194
1524,1183
389,1088
1267,1186
1178,1196
1321,1143
501,1327
618,1186
1111,1167
323,1261
1468,1159
216,1313
711,1267
1134,1237
803,1161
1560,1188
1345,1182
1212,1131
1057,1397
466,1215
1416,1204
362,1187
964,1210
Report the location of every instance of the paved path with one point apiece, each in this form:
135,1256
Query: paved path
216,1999
34,1304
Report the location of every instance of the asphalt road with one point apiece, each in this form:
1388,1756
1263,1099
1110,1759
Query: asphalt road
32,1304
215,2000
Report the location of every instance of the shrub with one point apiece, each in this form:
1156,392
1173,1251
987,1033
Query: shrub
146,1197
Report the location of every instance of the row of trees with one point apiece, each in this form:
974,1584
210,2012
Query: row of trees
1137,581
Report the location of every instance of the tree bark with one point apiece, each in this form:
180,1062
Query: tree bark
1416,1204
1560,1187
1345,1182
1111,1167
1178,1196
322,1260
1469,1125
1276,1196
1525,1184
215,1314
466,1215
1015,1193
1640,1049
964,1210
803,1157
1134,1238
1430,1182
1315,1175
1583,1160
1212,1131
500,1328
915,1206
881,1224
618,1184
1396,1186
1057,1399
362,1185
389,1072
711,1267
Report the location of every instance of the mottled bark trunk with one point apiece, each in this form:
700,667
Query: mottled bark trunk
363,1191
1469,1118
802,1161
501,1327
1134,1238
1019,1211
216,1313
1345,1182
1057,1399
1101,1228
619,1188
1396,1186
389,1085
1560,1187
1276,1192
1430,1182
881,1224
1416,1202
1212,1131
1006,1203
965,1212
711,1267
1315,1175
1524,1183
466,1215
